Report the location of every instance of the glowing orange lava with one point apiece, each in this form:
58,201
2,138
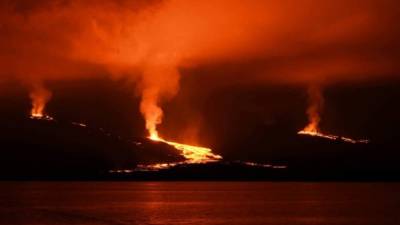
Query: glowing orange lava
316,102
192,154
155,167
312,130
37,113
37,110
316,133
39,96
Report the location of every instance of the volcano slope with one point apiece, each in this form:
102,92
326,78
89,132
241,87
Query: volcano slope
42,149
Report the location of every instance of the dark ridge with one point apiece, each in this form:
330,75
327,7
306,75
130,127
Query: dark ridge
62,150
47,149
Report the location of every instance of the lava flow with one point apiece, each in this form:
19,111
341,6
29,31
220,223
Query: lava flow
192,154
333,137
316,102
312,130
153,114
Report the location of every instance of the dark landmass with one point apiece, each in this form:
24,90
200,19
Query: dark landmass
43,149
63,150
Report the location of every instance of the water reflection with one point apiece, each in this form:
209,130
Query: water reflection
199,203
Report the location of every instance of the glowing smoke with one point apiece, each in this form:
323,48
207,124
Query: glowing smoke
40,96
314,111
150,41
160,81
316,103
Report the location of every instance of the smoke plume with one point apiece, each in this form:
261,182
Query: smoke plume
151,42
39,96
316,103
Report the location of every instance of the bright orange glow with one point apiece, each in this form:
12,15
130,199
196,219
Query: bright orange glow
333,137
151,111
316,101
162,166
318,134
154,136
37,108
310,129
193,154
39,96
155,167
161,81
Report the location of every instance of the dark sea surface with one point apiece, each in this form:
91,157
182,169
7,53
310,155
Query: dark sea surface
202,203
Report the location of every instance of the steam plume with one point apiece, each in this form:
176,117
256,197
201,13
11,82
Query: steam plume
314,111
316,103
40,96
160,81
151,41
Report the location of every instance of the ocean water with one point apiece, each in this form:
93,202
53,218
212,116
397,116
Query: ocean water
200,203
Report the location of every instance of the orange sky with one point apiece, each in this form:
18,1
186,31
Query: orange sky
150,42
305,39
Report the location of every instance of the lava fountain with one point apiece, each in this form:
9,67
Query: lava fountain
40,96
153,116
316,102
161,81
193,154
